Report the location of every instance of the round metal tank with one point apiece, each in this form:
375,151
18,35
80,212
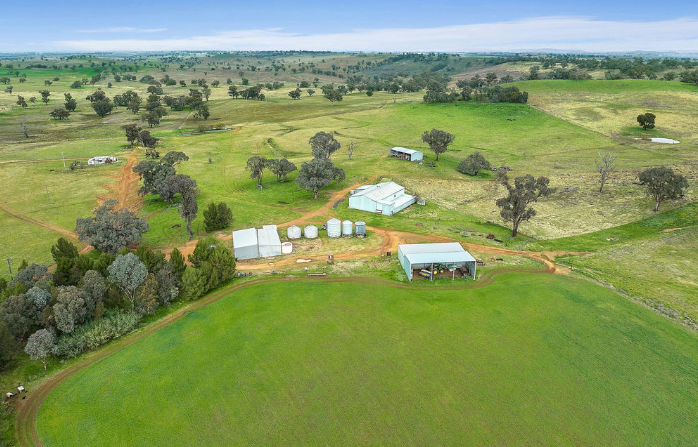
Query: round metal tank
294,232
287,247
310,231
360,228
334,227
347,229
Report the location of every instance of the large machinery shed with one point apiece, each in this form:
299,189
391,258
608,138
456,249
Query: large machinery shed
426,256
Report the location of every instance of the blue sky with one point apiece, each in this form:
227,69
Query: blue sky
408,25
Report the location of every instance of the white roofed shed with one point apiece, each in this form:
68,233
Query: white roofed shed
385,198
424,256
406,154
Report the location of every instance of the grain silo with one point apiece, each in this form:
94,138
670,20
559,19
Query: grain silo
334,227
360,228
347,229
294,232
310,231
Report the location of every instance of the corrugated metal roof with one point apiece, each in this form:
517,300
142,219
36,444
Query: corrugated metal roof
380,191
444,253
268,236
244,238
404,150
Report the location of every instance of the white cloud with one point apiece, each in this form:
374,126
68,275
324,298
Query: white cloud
122,29
564,33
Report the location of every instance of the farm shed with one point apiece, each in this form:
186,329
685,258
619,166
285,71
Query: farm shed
245,244
451,255
101,160
252,243
406,154
269,242
384,198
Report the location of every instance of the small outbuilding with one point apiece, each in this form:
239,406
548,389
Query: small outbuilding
101,160
406,154
428,259
384,198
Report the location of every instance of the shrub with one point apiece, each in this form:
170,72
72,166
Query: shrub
95,333
472,164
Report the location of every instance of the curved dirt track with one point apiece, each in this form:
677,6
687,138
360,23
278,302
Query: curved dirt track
126,191
28,410
48,226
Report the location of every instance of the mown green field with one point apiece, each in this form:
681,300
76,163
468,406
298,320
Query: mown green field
527,360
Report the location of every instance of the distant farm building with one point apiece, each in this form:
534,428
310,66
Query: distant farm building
384,198
406,154
255,243
435,260
102,160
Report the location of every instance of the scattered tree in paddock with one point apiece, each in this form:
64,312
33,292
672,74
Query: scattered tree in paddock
661,183
331,93
9,89
350,149
21,102
60,113
40,345
132,133
525,190
646,120
438,141
295,94
310,92
70,103
24,129
318,173
44,95
323,145
605,164
473,163
76,84
186,187
281,168
256,165
110,229
369,93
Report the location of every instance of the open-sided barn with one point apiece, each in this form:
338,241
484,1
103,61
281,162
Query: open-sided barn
428,258
406,154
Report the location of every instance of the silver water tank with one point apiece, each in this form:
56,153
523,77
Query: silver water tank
360,228
310,231
294,232
347,229
334,227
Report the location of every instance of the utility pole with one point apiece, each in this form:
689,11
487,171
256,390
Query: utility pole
63,155
9,265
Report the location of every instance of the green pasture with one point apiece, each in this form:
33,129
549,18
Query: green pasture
530,359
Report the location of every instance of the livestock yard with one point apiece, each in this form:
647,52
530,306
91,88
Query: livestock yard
390,306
